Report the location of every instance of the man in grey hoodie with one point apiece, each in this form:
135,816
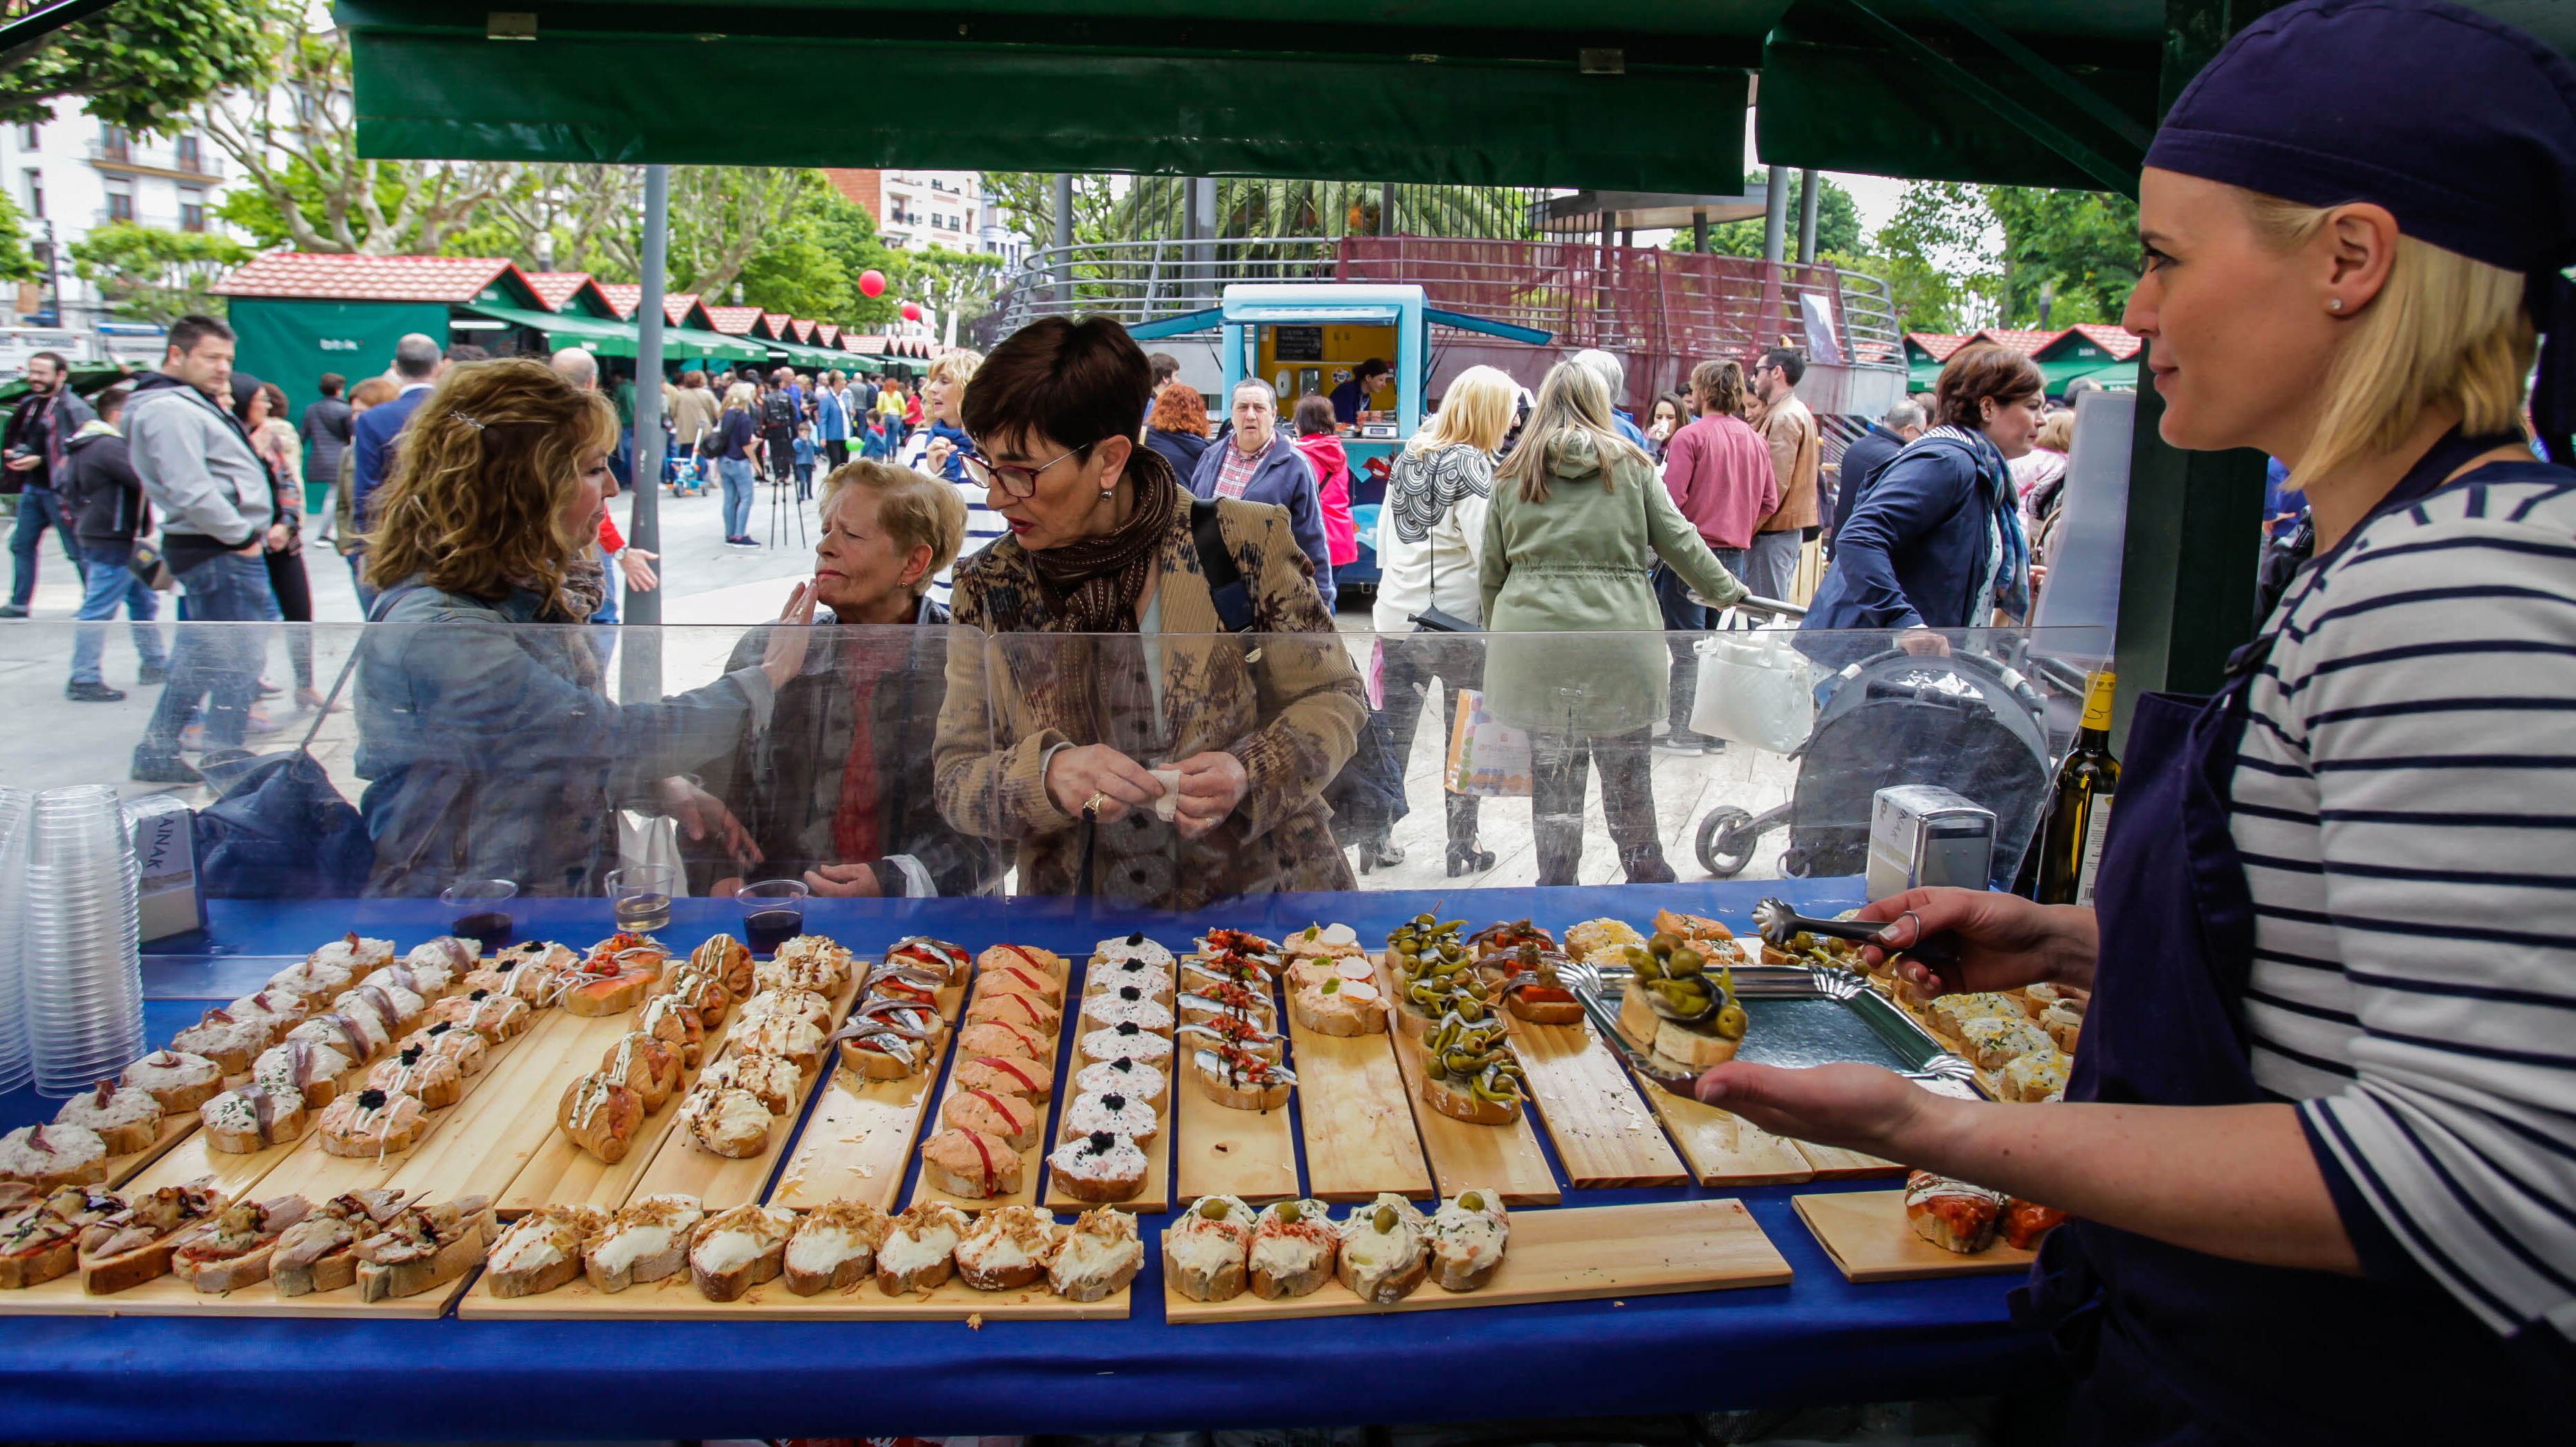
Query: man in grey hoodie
217,505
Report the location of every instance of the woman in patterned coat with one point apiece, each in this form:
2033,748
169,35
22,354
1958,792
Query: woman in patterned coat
1201,757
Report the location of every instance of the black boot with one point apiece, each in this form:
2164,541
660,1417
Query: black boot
1467,858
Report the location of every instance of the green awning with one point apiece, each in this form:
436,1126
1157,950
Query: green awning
591,334
694,343
2102,374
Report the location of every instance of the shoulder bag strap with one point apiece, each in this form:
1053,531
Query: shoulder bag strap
1234,606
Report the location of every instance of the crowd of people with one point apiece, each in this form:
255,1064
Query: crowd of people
1527,514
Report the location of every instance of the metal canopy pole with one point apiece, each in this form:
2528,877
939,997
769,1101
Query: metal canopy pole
640,669
1775,215
1807,193
1064,239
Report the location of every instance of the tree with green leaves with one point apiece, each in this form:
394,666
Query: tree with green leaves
957,286
141,64
150,275
1837,222
292,133
1960,257
17,262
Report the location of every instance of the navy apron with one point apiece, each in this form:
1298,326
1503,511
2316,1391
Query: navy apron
2178,1348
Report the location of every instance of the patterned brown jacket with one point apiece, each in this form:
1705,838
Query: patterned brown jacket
1286,702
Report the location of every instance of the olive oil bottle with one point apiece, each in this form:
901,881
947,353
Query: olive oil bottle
2079,811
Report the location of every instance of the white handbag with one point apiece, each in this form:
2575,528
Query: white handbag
1755,688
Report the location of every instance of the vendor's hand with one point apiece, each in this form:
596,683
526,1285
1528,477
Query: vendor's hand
1923,643
703,816
28,463
2038,575
843,881
279,535
786,652
1855,1107
1211,785
2005,941
1075,774
637,565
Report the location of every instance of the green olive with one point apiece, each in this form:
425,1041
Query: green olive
1731,1022
1212,1209
1664,942
1457,1062
1802,941
1425,921
1471,1010
1384,1220
1471,1201
1289,1214
1685,963
1636,957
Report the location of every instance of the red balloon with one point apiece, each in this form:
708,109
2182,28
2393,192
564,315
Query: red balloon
912,311
872,282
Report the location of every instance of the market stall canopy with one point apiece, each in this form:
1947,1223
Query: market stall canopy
592,334
1489,92
2104,354
1646,210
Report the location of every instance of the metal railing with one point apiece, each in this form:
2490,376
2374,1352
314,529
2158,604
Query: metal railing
1629,299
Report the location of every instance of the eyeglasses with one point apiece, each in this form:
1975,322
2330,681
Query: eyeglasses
1013,480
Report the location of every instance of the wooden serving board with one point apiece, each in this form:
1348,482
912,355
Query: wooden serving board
673,1298
1833,1163
1577,1254
1155,1195
174,1129
1465,1155
1724,1150
191,1158
1247,1154
1351,1110
1033,1170
860,1134
681,1166
1867,1235
1604,1134
170,1296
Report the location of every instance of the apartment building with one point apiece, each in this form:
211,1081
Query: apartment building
73,173
915,209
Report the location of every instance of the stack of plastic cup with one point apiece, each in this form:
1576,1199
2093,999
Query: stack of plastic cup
16,1065
82,971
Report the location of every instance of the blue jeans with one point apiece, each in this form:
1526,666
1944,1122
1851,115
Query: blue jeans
219,666
736,472
39,508
110,584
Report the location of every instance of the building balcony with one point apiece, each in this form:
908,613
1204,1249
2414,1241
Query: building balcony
132,160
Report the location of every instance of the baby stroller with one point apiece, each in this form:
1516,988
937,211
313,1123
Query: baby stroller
1964,721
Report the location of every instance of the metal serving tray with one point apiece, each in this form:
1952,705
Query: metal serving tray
1800,1015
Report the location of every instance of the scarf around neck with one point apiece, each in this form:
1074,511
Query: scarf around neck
2009,584
1095,582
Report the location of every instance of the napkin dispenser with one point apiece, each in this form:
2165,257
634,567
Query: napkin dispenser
1922,835
163,831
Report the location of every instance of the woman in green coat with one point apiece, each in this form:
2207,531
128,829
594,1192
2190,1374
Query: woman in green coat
1578,519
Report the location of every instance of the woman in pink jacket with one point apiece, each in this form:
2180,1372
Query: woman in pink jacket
1319,440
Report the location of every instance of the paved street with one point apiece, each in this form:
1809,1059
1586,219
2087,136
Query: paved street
713,592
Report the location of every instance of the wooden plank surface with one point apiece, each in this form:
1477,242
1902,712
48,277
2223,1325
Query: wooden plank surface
1867,1235
1352,1111
1723,1150
1249,1154
1033,1160
304,1169
170,1296
674,1298
1833,1163
682,1166
1463,1154
174,1129
1605,1135
1155,1195
860,1134
1576,1254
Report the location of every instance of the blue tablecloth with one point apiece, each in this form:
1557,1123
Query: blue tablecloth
1819,1339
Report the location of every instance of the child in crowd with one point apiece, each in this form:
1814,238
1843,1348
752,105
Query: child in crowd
805,454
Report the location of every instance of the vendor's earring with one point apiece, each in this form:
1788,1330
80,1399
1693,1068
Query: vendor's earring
2334,304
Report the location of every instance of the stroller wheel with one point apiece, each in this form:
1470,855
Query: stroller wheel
1726,841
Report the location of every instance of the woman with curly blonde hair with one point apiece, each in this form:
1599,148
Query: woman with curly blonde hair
491,749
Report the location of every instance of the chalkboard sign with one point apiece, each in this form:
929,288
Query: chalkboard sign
1297,344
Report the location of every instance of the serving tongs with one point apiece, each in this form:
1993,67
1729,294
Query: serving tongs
1780,924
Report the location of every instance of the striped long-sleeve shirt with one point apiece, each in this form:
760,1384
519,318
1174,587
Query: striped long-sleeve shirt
2406,805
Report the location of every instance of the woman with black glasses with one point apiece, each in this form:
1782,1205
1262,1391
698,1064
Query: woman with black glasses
1146,754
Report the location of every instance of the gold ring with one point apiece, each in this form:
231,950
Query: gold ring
1097,802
